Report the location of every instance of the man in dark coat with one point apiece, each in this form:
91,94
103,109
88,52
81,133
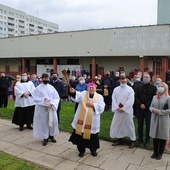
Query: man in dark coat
107,85
144,94
58,85
4,84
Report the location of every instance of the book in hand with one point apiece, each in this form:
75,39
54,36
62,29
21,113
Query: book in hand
120,105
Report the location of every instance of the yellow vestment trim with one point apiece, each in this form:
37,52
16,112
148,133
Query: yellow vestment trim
89,118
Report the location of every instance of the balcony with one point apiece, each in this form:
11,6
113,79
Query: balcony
21,24
12,21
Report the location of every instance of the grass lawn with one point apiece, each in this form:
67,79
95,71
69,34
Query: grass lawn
9,162
66,117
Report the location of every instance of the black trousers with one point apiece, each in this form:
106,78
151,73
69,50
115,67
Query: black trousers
58,111
159,146
144,116
3,100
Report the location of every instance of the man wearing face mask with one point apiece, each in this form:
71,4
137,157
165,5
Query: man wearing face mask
24,114
58,85
45,119
144,94
4,84
122,105
108,86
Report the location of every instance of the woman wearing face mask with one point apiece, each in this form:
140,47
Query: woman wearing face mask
159,129
80,87
157,82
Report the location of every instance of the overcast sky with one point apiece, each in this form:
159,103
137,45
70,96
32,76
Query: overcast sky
89,14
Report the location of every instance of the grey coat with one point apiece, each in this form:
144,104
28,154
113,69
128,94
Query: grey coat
160,123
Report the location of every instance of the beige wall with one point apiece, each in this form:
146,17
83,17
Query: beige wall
132,41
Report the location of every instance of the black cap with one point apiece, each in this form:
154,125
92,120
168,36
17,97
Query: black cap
45,75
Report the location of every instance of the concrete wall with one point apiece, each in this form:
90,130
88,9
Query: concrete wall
132,41
163,12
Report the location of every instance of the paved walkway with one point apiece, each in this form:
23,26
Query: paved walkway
64,156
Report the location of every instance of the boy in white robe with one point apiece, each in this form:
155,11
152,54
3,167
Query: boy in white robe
45,117
24,102
122,105
86,122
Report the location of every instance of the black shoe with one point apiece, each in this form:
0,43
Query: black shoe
139,141
146,144
159,156
29,127
45,142
81,154
21,128
132,145
154,155
94,153
52,139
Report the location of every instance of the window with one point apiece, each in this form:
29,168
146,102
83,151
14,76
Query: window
27,65
157,65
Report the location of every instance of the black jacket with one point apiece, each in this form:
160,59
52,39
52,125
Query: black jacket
144,94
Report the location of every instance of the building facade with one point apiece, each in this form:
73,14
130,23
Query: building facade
145,47
163,14
17,23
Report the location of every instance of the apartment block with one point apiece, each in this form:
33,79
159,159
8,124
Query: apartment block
14,23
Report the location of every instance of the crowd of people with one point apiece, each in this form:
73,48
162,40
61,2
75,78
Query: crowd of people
38,102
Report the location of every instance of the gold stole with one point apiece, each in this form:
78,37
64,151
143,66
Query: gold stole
89,118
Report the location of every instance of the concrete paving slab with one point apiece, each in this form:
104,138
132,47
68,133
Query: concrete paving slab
23,141
124,149
31,155
4,145
16,150
67,165
110,164
54,150
92,161
143,152
136,167
49,161
153,163
131,158
109,153
70,154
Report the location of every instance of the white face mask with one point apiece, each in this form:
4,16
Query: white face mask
82,81
24,78
161,89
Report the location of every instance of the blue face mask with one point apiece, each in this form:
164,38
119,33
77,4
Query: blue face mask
122,85
146,80
157,82
161,89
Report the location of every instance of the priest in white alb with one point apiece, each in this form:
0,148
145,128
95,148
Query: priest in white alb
86,122
122,105
45,116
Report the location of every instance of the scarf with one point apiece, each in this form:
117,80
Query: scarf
83,122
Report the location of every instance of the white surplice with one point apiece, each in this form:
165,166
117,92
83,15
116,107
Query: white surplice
19,89
122,123
42,128
98,107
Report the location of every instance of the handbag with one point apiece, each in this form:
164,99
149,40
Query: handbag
165,106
